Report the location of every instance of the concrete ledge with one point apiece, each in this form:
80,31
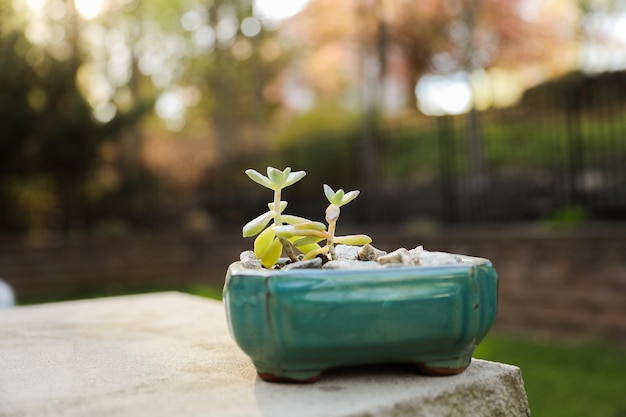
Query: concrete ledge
170,354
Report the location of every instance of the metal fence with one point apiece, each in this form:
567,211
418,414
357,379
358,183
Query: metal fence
560,153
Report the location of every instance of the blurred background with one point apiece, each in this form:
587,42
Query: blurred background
494,128
124,116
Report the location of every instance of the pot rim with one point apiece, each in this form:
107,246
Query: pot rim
467,263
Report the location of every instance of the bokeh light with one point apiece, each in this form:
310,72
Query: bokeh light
89,9
277,10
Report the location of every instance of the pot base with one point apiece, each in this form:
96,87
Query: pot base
268,377
435,368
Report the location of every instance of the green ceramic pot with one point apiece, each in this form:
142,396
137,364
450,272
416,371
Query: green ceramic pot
295,324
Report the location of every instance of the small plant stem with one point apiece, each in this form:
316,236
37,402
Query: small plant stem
277,220
331,239
287,246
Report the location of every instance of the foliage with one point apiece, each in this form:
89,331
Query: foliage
308,234
564,380
233,72
567,217
329,121
71,142
406,39
49,143
268,245
299,232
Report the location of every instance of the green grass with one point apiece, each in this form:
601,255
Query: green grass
583,380
207,291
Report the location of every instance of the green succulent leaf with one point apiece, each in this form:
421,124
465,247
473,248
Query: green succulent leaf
277,176
349,197
308,248
260,179
355,240
294,177
285,232
321,234
305,242
291,219
283,205
309,225
330,194
256,225
263,242
340,197
289,231
320,251
272,254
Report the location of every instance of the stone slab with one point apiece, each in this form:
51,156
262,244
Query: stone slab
171,354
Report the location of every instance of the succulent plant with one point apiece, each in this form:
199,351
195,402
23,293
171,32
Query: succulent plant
287,232
267,246
308,235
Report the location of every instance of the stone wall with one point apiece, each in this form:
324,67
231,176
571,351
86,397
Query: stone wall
54,269
558,284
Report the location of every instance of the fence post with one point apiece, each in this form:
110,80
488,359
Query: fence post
447,169
574,105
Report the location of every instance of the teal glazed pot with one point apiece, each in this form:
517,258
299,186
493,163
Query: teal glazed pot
295,324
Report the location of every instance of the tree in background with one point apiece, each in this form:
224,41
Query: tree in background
237,73
77,83
51,136
377,51
434,36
